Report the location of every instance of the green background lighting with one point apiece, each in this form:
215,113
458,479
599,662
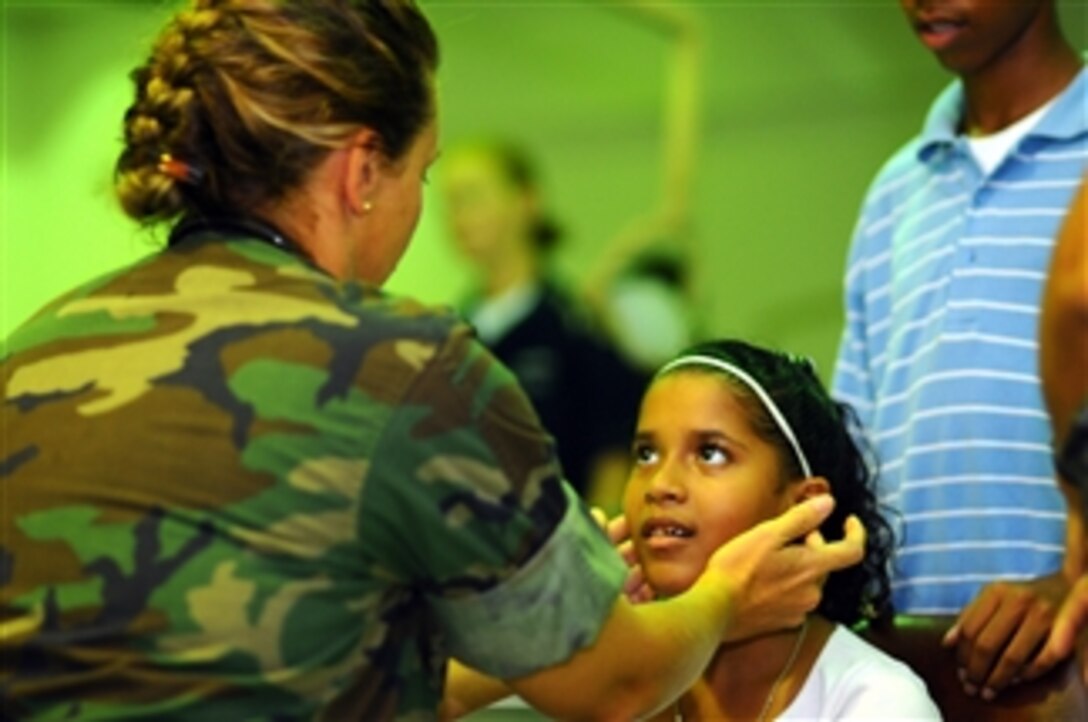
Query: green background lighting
800,103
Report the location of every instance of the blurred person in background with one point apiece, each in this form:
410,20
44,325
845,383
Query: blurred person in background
642,285
585,392
584,354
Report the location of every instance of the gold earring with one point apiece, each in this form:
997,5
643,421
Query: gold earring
367,206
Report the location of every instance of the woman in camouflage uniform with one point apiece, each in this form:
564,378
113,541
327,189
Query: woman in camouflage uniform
241,482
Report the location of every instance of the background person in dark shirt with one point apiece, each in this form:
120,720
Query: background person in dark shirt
585,393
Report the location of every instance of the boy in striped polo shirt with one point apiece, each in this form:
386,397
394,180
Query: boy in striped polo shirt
939,351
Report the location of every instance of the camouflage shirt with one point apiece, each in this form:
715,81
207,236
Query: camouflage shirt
235,489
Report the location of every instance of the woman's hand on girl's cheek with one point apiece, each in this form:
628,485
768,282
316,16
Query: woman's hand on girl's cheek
635,588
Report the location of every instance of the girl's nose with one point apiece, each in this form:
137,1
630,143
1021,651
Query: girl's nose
666,486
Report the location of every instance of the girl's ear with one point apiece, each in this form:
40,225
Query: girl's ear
810,487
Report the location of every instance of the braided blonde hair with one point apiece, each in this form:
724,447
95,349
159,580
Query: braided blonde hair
241,98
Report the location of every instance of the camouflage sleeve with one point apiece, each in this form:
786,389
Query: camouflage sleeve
464,502
552,607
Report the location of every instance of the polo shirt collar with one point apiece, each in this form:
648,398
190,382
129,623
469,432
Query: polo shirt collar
1067,118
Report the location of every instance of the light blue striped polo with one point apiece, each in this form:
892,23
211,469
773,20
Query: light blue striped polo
938,356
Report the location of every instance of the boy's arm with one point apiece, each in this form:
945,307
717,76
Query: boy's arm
999,633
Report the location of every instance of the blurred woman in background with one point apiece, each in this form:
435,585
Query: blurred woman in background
584,391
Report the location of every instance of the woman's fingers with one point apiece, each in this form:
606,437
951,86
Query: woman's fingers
600,517
618,530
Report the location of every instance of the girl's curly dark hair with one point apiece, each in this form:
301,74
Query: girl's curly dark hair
825,432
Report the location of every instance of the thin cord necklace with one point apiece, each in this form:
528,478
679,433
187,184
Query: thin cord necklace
678,714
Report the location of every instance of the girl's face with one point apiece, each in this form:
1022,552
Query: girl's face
700,476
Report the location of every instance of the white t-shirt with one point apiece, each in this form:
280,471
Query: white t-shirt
990,150
853,680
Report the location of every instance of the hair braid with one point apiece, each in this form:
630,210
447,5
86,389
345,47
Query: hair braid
160,120
250,94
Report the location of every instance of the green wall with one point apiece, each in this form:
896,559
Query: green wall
801,102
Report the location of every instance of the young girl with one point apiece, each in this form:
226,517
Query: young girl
730,435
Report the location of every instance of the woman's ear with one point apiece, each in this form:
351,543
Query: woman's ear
362,170
810,487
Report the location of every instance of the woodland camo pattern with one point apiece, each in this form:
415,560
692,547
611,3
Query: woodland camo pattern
233,489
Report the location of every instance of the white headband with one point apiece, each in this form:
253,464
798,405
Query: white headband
751,383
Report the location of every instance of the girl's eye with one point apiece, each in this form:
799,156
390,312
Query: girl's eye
713,454
643,454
